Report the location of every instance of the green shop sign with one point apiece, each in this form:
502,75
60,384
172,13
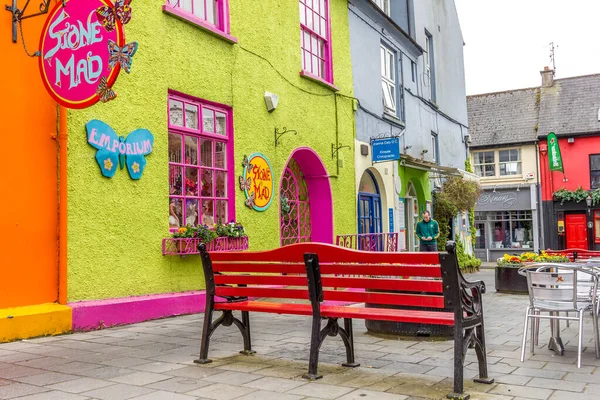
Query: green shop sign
554,157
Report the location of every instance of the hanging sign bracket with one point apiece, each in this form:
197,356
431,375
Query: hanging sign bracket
19,15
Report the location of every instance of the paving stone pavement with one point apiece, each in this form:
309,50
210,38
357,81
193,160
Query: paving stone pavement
154,361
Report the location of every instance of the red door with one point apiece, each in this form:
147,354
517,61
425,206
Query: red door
576,231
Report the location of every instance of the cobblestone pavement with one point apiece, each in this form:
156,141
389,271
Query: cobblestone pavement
153,360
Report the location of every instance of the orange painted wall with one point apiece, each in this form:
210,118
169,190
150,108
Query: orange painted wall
28,171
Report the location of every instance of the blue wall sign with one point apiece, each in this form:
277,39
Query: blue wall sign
386,149
391,214
113,149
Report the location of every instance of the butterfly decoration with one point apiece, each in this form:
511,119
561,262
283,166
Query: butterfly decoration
245,183
108,16
105,93
121,55
250,200
246,163
114,149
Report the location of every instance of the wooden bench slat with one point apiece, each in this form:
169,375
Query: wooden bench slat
327,253
400,299
426,317
333,269
411,285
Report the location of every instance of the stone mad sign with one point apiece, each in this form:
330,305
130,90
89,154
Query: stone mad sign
257,182
83,49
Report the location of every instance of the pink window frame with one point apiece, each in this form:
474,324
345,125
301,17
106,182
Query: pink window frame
228,138
328,78
221,28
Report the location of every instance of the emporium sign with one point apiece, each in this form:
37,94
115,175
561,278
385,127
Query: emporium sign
257,182
83,50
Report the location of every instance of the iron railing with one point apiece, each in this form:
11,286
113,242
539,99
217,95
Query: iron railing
386,242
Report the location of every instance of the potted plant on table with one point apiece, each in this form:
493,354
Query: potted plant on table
508,279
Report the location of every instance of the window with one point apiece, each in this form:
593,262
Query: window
435,151
505,229
388,80
200,166
595,171
210,14
315,40
430,65
483,162
384,5
510,162
413,70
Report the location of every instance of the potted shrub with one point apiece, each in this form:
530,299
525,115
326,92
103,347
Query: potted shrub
508,279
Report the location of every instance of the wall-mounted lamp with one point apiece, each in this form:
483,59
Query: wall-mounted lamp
588,202
494,189
543,150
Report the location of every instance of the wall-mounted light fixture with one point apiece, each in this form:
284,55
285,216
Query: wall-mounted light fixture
588,202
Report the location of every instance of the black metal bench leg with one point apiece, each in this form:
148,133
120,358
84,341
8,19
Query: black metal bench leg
246,334
459,354
315,344
348,338
206,333
480,350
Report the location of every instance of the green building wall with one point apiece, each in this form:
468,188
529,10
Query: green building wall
116,225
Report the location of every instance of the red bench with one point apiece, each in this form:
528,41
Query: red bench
310,270
576,254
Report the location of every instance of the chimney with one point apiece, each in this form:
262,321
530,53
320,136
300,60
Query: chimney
547,77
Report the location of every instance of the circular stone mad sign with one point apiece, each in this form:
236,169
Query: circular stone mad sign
257,182
74,46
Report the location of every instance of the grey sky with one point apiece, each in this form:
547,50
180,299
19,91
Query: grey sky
507,41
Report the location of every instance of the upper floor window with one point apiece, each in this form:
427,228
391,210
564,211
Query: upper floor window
384,5
200,166
510,162
435,148
484,163
315,39
430,65
595,171
212,15
388,80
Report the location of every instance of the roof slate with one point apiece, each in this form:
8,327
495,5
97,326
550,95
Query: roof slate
571,106
503,117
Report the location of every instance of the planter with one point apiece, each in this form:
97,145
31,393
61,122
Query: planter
185,246
508,280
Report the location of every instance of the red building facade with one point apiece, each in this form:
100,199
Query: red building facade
571,224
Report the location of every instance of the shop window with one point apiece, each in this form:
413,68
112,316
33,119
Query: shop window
510,162
210,14
484,163
596,226
505,229
200,170
595,171
315,39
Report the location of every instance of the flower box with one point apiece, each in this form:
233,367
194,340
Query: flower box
187,246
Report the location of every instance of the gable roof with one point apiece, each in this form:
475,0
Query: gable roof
570,106
503,117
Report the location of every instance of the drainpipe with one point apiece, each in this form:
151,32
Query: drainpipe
538,190
62,207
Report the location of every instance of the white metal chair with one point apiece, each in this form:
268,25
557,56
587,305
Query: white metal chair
553,288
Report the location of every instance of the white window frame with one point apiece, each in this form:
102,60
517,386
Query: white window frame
384,5
388,81
517,162
475,164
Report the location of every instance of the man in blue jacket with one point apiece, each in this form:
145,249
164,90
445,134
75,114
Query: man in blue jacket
427,230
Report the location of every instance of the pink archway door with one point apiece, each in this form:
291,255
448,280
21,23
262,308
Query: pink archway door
305,186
